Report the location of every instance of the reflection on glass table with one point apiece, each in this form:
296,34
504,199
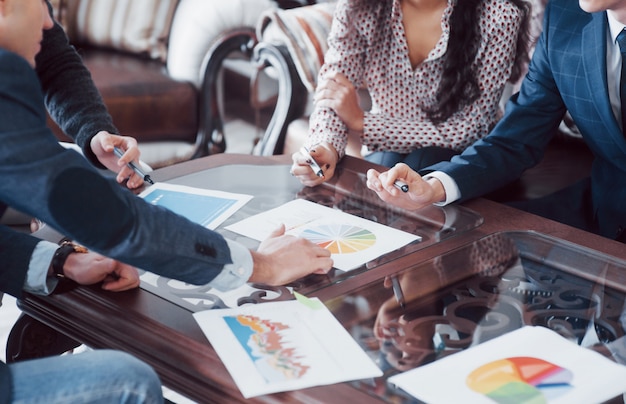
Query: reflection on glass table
483,290
272,186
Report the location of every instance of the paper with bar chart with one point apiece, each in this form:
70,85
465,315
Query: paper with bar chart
352,241
203,206
284,346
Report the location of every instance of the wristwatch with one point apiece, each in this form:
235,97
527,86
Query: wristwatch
60,256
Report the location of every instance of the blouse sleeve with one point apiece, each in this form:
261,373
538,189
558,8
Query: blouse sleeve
346,55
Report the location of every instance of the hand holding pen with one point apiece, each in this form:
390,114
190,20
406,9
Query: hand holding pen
119,153
315,165
311,161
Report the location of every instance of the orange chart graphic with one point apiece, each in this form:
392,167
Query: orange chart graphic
340,238
520,380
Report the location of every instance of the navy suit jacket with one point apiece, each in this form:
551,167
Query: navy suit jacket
59,186
567,73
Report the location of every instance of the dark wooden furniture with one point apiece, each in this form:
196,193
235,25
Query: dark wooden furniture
494,269
147,103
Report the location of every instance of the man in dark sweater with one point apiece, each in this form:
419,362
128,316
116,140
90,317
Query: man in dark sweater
76,106
42,179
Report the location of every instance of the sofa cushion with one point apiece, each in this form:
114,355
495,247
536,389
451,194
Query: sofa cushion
303,31
142,99
198,24
137,26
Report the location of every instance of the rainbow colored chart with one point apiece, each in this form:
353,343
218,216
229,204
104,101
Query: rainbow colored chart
520,380
264,343
340,238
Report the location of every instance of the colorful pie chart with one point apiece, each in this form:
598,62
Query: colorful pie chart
520,380
340,238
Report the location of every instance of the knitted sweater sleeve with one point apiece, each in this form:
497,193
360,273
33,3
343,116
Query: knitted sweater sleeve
71,97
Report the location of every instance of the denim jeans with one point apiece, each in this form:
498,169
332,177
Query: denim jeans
100,376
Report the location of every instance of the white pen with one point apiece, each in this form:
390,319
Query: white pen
403,186
119,153
311,161
397,291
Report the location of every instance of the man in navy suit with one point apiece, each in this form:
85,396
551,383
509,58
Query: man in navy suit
576,68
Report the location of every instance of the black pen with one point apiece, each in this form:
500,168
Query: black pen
397,291
119,153
312,163
401,185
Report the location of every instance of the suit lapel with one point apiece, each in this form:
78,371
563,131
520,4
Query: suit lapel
594,63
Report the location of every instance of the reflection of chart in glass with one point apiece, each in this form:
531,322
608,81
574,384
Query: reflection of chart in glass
340,238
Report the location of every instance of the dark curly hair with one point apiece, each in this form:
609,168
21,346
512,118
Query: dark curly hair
459,85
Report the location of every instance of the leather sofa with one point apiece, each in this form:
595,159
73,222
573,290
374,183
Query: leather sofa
157,65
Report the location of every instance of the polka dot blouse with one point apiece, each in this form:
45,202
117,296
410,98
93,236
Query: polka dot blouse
401,95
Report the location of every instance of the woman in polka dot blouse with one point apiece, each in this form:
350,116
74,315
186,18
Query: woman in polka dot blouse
435,71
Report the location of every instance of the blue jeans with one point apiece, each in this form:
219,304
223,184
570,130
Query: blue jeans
100,376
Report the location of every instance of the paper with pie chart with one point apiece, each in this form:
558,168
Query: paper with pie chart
352,241
529,365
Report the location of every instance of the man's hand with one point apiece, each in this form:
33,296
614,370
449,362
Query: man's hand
326,157
421,193
102,145
90,268
281,259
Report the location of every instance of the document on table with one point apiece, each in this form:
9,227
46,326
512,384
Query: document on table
352,241
528,365
206,207
282,346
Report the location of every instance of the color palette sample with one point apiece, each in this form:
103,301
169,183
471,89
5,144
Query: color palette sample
340,238
520,380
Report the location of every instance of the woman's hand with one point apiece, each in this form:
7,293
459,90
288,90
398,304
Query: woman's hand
325,156
336,92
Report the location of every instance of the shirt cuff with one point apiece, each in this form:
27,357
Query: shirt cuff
37,279
236,274
449,185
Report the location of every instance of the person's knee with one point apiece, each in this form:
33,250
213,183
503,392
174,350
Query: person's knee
141,379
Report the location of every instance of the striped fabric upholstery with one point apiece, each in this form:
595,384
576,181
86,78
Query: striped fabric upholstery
303,30
137,26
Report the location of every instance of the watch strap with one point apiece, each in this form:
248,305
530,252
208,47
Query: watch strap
60,256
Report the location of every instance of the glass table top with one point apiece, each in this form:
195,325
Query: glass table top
272,186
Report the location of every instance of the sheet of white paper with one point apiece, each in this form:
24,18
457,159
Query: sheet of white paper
206,207
559,370
352,240
283,346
